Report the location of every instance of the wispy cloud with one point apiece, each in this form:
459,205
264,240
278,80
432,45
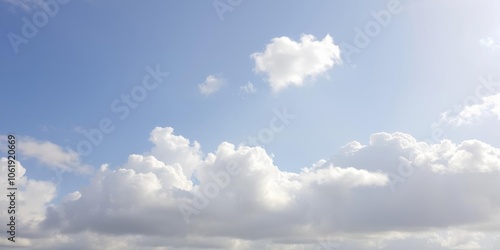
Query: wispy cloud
248,88
52,155
490,43
489,106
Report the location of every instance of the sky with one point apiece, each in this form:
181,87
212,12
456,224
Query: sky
237,124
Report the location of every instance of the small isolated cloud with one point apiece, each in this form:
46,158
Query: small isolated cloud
288,63
488,107
211,85
490,43
248,88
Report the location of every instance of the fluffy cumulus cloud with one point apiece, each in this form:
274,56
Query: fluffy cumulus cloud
391,192
288,63
489,106
175,149
211,85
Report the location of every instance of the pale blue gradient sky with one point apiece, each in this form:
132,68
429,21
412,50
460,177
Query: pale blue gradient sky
427,59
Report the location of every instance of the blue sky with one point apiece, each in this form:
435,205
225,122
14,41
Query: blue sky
415,73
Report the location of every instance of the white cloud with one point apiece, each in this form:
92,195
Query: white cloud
489,106
248,88
143,195
51,155
490,43
211,85
175,149
260,206
168,175
445,157
288,63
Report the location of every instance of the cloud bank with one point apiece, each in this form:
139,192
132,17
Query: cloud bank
237,198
